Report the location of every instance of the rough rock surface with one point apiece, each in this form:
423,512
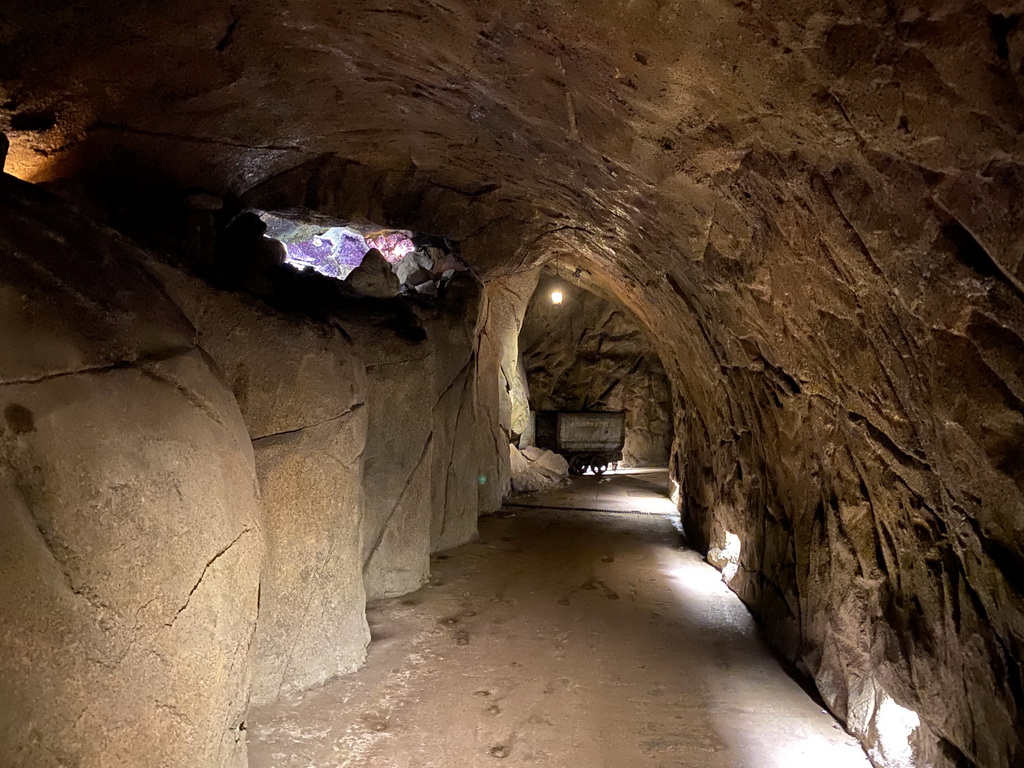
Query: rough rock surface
130,559
414,268
530,474
547,459
459,434
397,462
510,299
502,393
813,207
374,277
429,432
425,439
301,389
588,353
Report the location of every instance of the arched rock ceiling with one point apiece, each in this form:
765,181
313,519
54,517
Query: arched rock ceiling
814,206
650,136
625,119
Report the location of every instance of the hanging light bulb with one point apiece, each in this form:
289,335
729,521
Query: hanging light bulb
556,292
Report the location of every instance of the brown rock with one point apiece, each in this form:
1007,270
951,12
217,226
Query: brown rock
812,208
529,476
589,354
131,558
460,437
374,277
395,556
301,389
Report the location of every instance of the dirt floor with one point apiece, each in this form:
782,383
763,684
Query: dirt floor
564,637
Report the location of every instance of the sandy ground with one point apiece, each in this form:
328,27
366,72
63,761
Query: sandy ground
564,637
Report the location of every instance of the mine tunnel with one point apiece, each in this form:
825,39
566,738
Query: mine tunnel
302,303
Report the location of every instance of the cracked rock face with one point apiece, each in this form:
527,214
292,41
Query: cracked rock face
397,460
535,469
427,444
813,208
507,300
141,389
116,435
301,388
459,449
588,354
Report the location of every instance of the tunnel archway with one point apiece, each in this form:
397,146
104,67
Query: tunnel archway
828,265
583,351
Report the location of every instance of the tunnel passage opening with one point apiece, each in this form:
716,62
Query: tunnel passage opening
588,386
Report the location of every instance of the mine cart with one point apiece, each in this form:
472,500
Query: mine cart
586,439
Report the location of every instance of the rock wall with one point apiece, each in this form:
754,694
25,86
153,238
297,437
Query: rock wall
503,397
647,400
301,388
130,560
398,458
588,353
860,440
460,437
812,207
205,420
400,342
423,459
423,453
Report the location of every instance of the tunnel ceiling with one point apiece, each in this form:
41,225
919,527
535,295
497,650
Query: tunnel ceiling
654,137
815,208
627,121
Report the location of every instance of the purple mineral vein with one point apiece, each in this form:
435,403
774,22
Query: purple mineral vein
337,252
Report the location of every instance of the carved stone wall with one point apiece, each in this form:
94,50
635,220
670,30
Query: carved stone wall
132,546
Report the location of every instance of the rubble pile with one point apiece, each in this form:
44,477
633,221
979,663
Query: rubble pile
534,469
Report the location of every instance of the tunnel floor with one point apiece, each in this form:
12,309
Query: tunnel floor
565,636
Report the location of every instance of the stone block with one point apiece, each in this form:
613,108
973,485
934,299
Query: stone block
130,563
301,389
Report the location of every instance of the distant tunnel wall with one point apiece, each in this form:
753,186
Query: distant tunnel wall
590,353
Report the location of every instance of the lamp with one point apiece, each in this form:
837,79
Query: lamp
556,296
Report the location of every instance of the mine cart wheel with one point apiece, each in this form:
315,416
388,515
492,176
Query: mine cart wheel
577,466
599,465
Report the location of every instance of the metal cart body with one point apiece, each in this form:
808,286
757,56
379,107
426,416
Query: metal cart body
588,440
